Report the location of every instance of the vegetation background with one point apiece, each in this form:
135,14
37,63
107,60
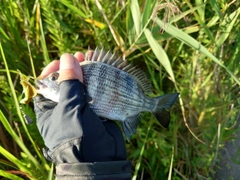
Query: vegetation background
187,46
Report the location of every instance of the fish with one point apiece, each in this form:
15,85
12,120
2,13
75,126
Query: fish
118,90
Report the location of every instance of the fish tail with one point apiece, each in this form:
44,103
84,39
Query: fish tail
164,103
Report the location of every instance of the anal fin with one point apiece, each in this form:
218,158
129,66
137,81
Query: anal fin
130,125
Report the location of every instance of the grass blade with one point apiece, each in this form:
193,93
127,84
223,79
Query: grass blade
147,12
51,173
14,160
74,8
215,7
21,145
114,32
228,24
201,10
137,167
8,126
129,26
176,18
9,175
179,34
205,29
171,165
135,11
159,53
42,36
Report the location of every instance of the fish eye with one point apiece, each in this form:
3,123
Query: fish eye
54,77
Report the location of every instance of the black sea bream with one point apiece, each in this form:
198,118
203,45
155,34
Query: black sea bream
117,89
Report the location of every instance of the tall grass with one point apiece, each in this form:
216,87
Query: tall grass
189,47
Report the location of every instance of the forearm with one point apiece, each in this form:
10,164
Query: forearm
120,170
79,143
63,122
69,166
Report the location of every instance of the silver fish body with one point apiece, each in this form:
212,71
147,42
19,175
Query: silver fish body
117,90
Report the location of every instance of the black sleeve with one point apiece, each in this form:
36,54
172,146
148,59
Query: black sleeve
114,170
78,141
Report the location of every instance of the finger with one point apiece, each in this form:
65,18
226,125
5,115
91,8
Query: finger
69,68
79,56
50,68
68,61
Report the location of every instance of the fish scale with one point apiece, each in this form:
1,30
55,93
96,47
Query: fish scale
118,97
117,89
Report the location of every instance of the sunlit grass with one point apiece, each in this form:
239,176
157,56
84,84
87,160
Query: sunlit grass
184,47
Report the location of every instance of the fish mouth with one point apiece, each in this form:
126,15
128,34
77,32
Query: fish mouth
40,85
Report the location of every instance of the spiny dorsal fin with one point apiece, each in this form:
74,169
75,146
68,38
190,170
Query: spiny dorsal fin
115,61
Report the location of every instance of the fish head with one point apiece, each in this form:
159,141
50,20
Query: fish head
49,86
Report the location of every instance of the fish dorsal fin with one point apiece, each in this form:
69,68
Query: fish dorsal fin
100,55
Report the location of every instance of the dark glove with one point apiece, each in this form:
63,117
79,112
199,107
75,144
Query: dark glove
71,130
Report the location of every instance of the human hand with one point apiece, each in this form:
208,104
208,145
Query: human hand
70,129
68,65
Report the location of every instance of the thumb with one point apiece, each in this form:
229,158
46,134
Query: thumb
69,68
